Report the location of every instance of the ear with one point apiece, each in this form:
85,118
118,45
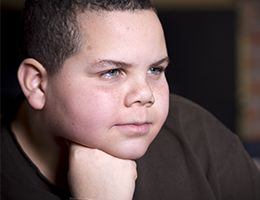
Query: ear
32,77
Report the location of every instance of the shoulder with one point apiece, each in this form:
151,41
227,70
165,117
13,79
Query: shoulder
196,125
192,117
203,135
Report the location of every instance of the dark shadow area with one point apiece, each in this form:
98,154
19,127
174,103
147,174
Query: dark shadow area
201,45
10,56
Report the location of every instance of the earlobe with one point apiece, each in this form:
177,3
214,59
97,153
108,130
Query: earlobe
32,77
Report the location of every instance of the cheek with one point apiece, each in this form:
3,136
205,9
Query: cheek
161,93
84,116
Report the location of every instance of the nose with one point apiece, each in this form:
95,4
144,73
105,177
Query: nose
139,93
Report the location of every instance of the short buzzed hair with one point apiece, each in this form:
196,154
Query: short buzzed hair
51,32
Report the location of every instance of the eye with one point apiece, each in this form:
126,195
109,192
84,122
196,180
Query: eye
112,73
156,70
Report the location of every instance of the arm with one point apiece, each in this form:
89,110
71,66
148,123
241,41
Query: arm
96,175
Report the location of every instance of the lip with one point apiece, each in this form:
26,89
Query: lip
135,128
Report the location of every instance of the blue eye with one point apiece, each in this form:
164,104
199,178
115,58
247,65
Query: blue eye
111,73
156,70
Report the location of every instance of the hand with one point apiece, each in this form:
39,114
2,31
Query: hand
96,175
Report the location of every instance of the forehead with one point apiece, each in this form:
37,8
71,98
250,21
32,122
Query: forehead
122,33
118,17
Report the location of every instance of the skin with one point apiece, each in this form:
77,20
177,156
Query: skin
108,101
106,177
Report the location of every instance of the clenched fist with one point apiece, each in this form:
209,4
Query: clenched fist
96,175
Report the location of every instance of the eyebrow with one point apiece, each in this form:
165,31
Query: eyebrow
121,64
165,60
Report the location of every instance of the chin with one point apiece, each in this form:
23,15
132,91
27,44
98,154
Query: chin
130,153
132,156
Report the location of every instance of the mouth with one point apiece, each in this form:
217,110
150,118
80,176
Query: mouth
134,129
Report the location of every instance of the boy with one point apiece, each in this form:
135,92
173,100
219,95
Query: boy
96,98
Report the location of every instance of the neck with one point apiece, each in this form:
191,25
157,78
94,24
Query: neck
47,152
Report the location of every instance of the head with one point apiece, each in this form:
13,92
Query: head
93,72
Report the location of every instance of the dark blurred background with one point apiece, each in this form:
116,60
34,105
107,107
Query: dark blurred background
201,46
204,39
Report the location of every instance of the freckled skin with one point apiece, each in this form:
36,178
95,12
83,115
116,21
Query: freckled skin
85,102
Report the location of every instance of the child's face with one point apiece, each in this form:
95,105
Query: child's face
112,95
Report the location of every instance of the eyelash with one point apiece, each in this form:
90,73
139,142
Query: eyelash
156,70
112,73
107,74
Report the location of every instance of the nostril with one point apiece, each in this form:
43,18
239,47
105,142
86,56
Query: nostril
151,102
